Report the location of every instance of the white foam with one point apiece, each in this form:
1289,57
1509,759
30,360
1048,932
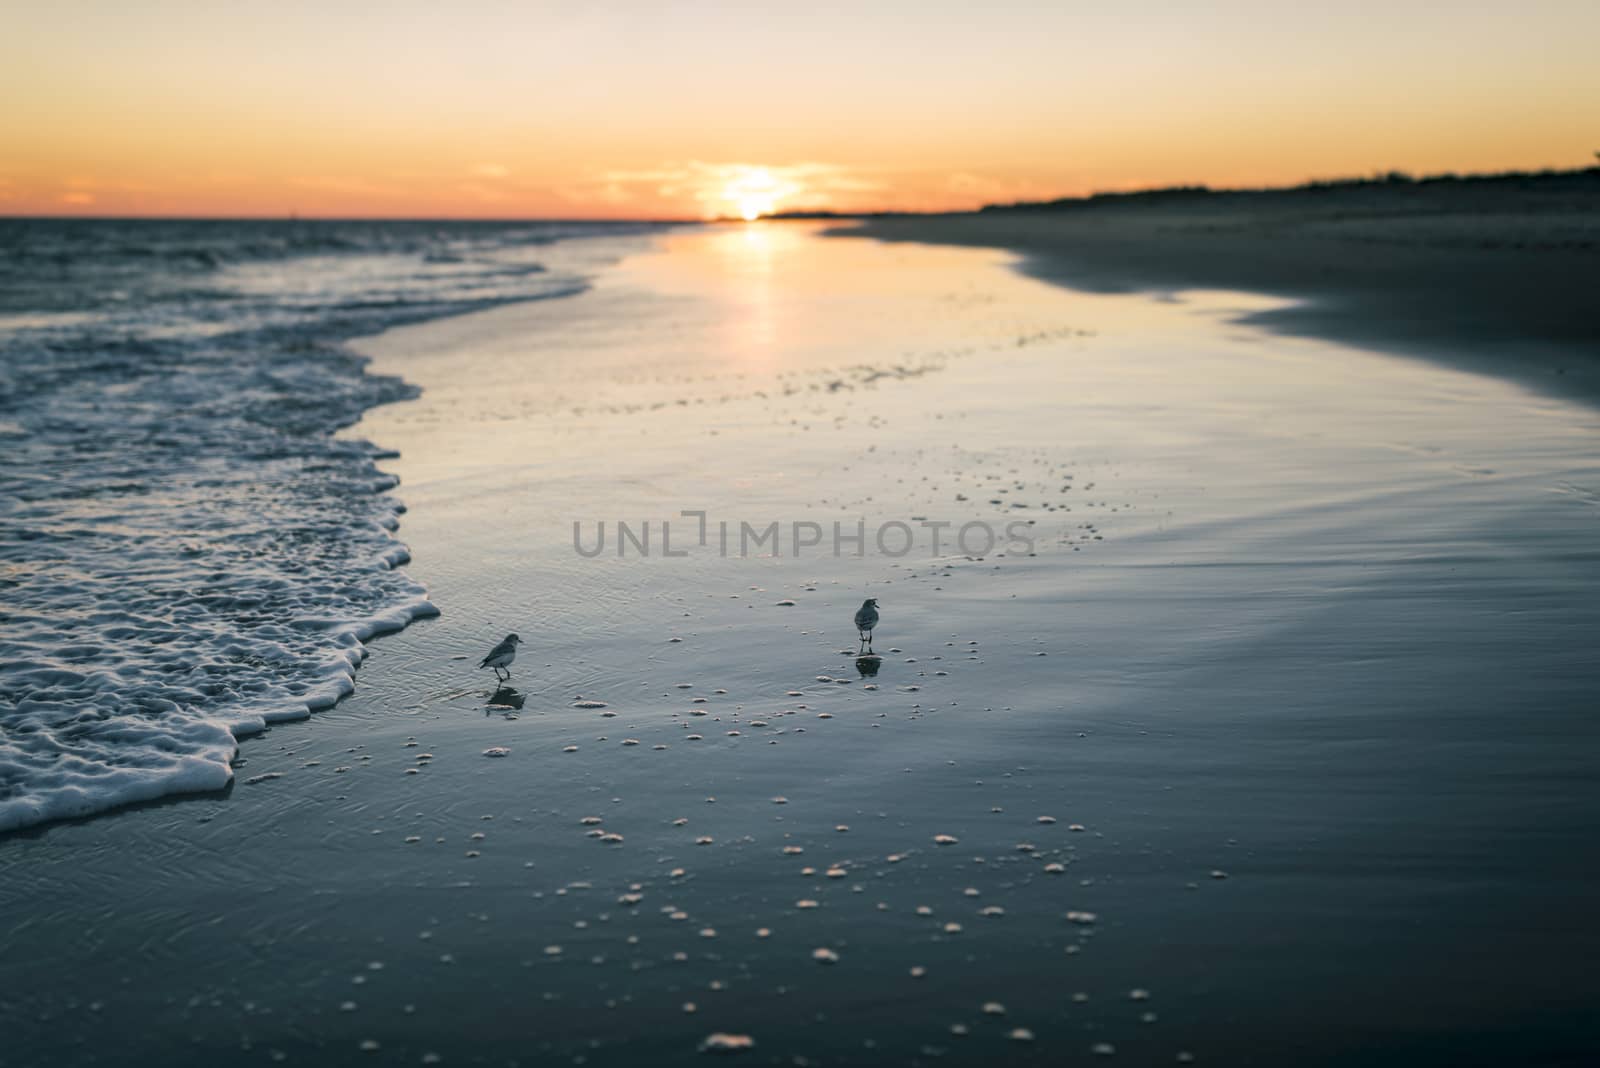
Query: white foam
189,552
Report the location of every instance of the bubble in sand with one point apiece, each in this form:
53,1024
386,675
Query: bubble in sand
496,751
952,928
992,910
945,839
918,971
835,873
704,839
1080,917
1219,874
993,1008
630,741
1103,1049
1020,1034
585,703
590,821
611,839
1139,994
1075,827
1055,868
721,1042
824,955
1046,819
805,903
570,749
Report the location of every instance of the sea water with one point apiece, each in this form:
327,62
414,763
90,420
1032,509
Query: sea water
187,550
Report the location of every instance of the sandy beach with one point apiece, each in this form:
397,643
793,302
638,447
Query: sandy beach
1492,275
1260,734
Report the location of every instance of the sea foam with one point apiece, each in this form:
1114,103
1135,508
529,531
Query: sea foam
189,551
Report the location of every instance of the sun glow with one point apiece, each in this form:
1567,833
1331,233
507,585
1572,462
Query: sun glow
754,192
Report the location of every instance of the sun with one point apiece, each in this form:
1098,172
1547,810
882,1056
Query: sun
753,192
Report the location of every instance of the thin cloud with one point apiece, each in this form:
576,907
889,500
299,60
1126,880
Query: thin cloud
720,188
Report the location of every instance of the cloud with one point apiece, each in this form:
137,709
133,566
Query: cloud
716,189
491,170
354,186
484,194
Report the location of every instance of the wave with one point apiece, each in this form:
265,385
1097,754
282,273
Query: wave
189,554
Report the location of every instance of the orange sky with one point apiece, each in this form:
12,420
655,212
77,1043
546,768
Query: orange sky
557,109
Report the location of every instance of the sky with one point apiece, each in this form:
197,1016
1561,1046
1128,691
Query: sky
698,109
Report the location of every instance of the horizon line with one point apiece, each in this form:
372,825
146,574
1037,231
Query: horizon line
1380,178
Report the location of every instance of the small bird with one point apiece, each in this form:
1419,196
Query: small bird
500,657
866,619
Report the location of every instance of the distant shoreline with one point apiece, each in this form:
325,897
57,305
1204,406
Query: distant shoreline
1581,180
1493,273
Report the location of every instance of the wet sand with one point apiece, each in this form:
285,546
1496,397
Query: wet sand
1277,747
1494,276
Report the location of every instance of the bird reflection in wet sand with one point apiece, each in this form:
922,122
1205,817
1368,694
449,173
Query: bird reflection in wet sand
868,665
506,699
866,619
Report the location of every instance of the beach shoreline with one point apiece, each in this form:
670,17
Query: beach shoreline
1286,696
1484,275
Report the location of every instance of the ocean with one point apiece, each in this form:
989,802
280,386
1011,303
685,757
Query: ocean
190,552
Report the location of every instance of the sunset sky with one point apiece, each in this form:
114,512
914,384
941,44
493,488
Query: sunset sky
696,109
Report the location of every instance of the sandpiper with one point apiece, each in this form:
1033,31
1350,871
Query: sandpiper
500,657
866,619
